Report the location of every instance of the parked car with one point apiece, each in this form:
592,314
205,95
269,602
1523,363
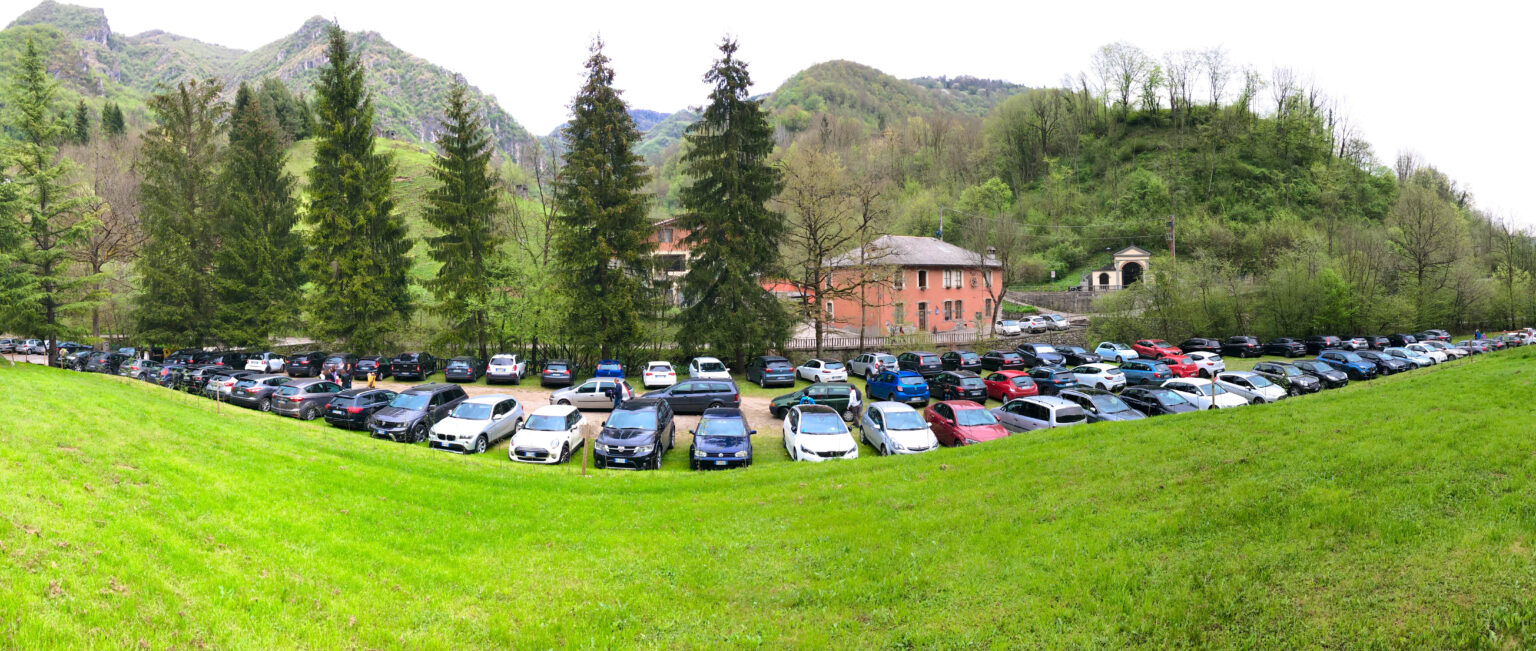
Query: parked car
958,385
378,365
1154,348
193,380
506,367
1101,406
1423,348
267,362
1145,371
1474,346
1111,351
1451,352
221,384
960,360
105,363
1008,384
463,369
925,363
822,370
1052,379
866,365
1156,401
1057,321
908,387
414,411
709,368
549,436
1200,345
1250,386
817,433
1284,347
722,439
1037,324
7,345
1330,377
231,359
1438,334
1399,339
1376,343
841,397
768,370
1039,412
417,366
1180,365
1295,381
636,436
1354,343
1414,359
1002,360
557,373
1100,376
476,424
1352,364
139,369
694,396
189,356
1203,393
659,374
1077,356
1008,328
1319,343
963,423
168,375
1241,346
76,360
352,408
895,428
612,368
592,394
342,363
304,399
299,364
1038,354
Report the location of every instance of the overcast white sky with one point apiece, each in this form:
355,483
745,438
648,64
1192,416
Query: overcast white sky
1444,79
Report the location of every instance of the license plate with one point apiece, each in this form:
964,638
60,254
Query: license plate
616,460
719,463
336,412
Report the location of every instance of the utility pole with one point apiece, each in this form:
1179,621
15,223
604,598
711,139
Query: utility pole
1173,238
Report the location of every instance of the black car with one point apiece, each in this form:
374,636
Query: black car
768,370
463,369
342,363
1241,346
305,364
958,385
105,363
1399,340
696,396
961,360
1375,343
721,440
1284,347
1156,401
1038,354
190,356
1319,343
193,380
1002,360
1388,364
636,435
1102,406
1295,381
304,399
417,366
230,359
256,391
1078,356
557,373
924,363
351,409
165,375
1332,378
1438,335
378,365
1200,345
414,411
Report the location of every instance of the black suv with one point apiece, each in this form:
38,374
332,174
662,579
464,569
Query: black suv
1319,343
1399,340
231,360
1285,347
636,435
960,360
190,356
1241,346
557,373
697,395
1156,401
350,409
1038,354
305,364
378,365
1285,374
1331,377
1002,360
463,369
343,363
770,369
414,411
418,366
1200,345
958,385
105,363
925,363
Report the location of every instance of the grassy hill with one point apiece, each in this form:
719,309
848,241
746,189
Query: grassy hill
1390,514
853,90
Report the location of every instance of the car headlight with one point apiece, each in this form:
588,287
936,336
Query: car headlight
600,447
805,451
741,454
700,453
896,445
644,449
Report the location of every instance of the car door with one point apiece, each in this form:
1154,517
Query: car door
1012,416
942,422
680,396
875,433
791,423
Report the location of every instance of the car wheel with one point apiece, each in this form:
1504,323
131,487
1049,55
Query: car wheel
715,405
1205,374
264,405
418,433
565,402
480,445
565,453
307,413
1255,401
776,412
884,451
848,416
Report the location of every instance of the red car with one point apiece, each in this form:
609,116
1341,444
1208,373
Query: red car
1181,365
962,422
1155,348
1007,385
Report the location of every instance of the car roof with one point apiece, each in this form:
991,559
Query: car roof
349,393
961,404
609,361
554,410
815,409
307,381
555,361
462,358
1049,401
1197,381
905,373
489,398
636,404
1236,373
961,374
430,388
723,412
887,406
769,358
1087,391
1101,366
659,361
705,359
1012,372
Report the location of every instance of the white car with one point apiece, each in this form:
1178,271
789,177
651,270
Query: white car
1203,394
822,370
1118,352
1100,376
477,423
265,363
1428,351
818,433
895,428
1207,365
1058,322
658,375
549,436
1251,386
1008,328
505,367
1037,324
708,368
869,365
1452,352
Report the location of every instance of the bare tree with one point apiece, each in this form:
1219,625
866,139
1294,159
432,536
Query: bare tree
822,216
1000,240
1181,68
1217,72
530,227
1123,69
1425,231
107,165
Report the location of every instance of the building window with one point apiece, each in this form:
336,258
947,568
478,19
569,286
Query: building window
829,309
899,281
949,307
959,278
899,313
989,308
664,235
922,279
960,310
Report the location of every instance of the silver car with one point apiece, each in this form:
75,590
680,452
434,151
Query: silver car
477,423
868,364
895,428
1250,386
591,394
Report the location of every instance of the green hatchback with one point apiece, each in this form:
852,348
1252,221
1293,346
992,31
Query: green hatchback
842,397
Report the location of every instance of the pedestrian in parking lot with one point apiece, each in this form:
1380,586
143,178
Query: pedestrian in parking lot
346,376
371,376
1477,334
613,393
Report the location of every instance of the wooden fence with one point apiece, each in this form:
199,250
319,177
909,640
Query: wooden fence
928,341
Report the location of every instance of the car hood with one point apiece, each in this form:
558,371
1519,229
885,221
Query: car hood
826,442
539,438
460,426
913,438
1180,408
983,432
1273,391
1129,414
398,414
626,436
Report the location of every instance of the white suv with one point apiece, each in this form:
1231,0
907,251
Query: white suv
817,433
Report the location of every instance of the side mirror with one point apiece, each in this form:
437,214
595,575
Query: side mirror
498,416
751,432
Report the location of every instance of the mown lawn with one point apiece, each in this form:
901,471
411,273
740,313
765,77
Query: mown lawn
1396,513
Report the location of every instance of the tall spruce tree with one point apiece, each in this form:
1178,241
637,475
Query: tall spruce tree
357,259
601,245
82,132
464,207
180,210
50,214
258,275
733,236
112,120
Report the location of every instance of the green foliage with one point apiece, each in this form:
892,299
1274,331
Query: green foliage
82,129
112,123
991,199
358,252
665,134
290,114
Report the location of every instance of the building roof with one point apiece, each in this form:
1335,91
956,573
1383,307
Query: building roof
1132,250
910,251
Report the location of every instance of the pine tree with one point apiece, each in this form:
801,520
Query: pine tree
733,236
258,276
50,214
180,215
112,120
464,207
82,131
357,259
601,247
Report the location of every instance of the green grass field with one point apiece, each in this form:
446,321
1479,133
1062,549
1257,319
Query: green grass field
1395,513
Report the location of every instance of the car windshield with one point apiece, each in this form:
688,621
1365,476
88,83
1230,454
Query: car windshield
546,423
1009,358
972,383
288,391
970,357
1158,343
658,368
723,427
411,401
974,417
907,380
831,366
1010,323
336,360
1042,348
1289,371
245,383
716,367
367,363
1109,403
1169,398
822,423
406,357
501,360
472,411
612,367
1350,357
903,420
1260,381
633,419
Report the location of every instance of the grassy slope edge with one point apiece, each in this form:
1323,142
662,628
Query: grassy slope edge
1394,513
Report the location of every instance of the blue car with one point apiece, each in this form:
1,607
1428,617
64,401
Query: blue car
721,440
1052,380
609,368
1144,371
1353,365
898,386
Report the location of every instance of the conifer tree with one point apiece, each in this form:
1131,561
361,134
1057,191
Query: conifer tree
180,215
733,236
82,132
601,247
258,275
112,120
464,206
357,258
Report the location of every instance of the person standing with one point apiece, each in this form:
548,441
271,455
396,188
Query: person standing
346,375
